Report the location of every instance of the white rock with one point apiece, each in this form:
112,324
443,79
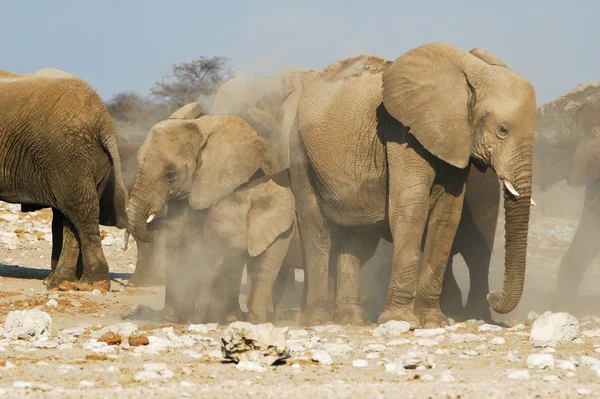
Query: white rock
489,328
460,338
261,343
442,352
554,327
52,303
456,326
329,328
153,372
398,342
187,385
551,378
96,292
246,365
360,363
295,334
22,384
427,342
338,349
512,357
446,376
497,341
590,361
429,332
540,361
413,359
549,350
375,348
392,328
86,384
25,324
517,327
395,369
123,329
518,374
373,355
427,377
202,328
591,333
532,315
584,391
565,364
321,356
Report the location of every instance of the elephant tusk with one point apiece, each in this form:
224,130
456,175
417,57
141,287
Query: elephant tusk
532,202
151,218
511,189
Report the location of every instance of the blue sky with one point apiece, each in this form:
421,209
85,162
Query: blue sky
119,45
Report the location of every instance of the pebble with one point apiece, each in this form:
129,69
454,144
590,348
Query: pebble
518,375
86,384
590,361
338,349
96,292
517,327
565,364
360,363
591,333
512,357
373,355
52,303
489,328
153,372
413,359
584,391
202,328
429,332
460,338
375,348
321,356
246,365
392,328
540,361
398,342
22,384
554,327
442,352
498,341
427,342
551,378
456,326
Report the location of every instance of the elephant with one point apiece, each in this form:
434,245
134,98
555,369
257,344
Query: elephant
190,162
384,146
60,151
567,148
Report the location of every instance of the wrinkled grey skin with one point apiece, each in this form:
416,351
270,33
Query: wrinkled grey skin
358,169
194,164
59,150
567,147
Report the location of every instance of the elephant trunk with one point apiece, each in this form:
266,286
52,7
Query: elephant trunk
517,226
139,215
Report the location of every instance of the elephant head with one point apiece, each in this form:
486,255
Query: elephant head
464,106
565,126
189,155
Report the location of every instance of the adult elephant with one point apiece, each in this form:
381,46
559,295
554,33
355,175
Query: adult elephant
381,143
567,147
59,150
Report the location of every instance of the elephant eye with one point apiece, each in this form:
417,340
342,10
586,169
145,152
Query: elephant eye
170,175
503,130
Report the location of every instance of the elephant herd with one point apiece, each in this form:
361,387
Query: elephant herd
309,170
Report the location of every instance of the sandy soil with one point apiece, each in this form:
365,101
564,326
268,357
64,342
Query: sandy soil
72,364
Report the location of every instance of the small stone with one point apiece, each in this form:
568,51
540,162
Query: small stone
584,391
540,361
398,342
446,376
321,356
96,292
295,334
429,332
26,324
153,372
360,363
460,338
517,327
86,384
202,328
498,341
111,338
395,369
412,359
512,357
187,385
373,355
549,350
123,329
22,384
590,361
442,352
427,342
246,365
427,377
565,364
375,348
554,327
551,378
392,328
52,304
489,328
591,333
518,375
338,349
136,339
456,326
256,343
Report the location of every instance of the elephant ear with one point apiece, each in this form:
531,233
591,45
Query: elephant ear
430,90
272,212
188,111
488,57
232,154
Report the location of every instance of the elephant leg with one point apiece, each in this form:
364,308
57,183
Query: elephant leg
267,267
477,256
355,249
441,231
148,267
284,283
451,297
581,252
316,242
235,271
57,241
64,276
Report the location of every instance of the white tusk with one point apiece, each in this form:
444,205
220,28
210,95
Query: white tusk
151,218
532,202
510,188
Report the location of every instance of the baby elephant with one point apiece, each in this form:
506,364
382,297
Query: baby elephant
254,225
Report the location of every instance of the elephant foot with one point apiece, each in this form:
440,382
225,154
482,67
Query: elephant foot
400,314
480,311
141,280
433,319
85,285
316,314
234,316
169,315
54,281
354,315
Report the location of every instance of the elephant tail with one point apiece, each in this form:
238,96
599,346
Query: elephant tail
108,141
